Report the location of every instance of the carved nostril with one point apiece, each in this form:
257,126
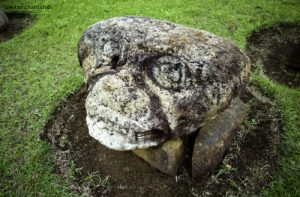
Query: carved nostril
114,61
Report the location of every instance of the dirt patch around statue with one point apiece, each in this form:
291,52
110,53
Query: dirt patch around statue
247,168
17,23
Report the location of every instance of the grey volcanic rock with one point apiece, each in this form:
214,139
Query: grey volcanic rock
3,21
151,81
213,139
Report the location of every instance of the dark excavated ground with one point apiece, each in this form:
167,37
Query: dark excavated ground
248,165
276,51
17,23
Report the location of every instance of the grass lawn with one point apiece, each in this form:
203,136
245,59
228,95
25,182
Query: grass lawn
39,68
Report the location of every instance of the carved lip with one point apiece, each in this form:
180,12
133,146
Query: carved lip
124,137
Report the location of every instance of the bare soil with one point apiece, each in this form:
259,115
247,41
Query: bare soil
247,167
276,50
17,23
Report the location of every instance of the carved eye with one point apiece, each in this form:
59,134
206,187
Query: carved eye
167,74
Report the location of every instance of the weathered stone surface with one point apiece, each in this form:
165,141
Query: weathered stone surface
213,139
151,81
3,21
166,157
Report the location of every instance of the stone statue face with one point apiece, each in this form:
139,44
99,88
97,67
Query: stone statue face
150,80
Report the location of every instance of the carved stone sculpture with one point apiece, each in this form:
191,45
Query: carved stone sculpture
151,81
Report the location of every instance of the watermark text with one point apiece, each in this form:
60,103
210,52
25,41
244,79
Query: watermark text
28,7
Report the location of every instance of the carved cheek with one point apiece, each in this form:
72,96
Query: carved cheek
114,93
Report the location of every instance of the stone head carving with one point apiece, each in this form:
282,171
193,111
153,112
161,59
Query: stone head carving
150,81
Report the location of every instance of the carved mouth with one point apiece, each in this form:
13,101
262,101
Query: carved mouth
127,136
